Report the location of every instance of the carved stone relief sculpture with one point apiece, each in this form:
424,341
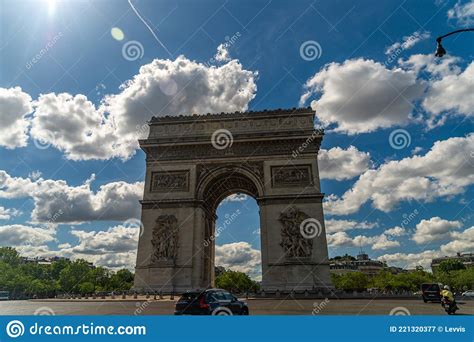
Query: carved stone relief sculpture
165,239
292,242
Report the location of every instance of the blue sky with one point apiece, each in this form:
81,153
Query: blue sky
54,164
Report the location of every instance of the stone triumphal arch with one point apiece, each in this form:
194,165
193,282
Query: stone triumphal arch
193,162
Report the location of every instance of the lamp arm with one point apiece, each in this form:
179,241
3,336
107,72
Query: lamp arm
450,33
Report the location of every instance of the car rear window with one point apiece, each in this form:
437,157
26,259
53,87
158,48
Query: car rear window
430,287
219,295
189,296
228,296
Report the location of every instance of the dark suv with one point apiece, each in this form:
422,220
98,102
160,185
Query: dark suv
431,292
210,302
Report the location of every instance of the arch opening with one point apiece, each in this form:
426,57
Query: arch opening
224,215
237,243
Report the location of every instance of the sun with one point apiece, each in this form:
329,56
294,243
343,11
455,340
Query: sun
51,4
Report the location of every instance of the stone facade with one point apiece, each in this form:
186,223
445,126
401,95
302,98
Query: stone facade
269,155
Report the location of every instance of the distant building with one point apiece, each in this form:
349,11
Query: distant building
368,266
412,270
48,261
466,258
396,270
347,264
43,261
342,267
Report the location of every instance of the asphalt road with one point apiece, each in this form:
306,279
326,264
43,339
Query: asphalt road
256,307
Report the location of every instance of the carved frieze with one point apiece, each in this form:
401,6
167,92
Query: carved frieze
167,181
254,167
238,149
294,244
165,239
201,124
291,175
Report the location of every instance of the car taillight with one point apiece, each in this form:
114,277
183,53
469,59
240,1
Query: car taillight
203,304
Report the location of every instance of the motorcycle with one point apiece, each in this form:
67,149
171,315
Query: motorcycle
449,306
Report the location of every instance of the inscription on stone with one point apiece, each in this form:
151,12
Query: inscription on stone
292,175
164,181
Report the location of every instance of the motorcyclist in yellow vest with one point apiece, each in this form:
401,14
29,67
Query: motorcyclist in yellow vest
446,292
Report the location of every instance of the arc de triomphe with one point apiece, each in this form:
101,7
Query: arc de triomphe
193,162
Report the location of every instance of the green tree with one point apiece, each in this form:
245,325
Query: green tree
120,281
449,265
100,277
463,280
352,281
86,287
9,255
73,275
458,280
386,281
234,281
57,266
62,275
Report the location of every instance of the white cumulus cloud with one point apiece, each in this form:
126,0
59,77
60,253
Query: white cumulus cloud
339,164
462,13
361,96
26,236
57,202
222,54
422,178
15,105
434,229
74,125
376,242
239,256
407,42
7,213
460,242
334,226
453,93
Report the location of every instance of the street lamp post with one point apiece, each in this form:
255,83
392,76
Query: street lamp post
440,51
